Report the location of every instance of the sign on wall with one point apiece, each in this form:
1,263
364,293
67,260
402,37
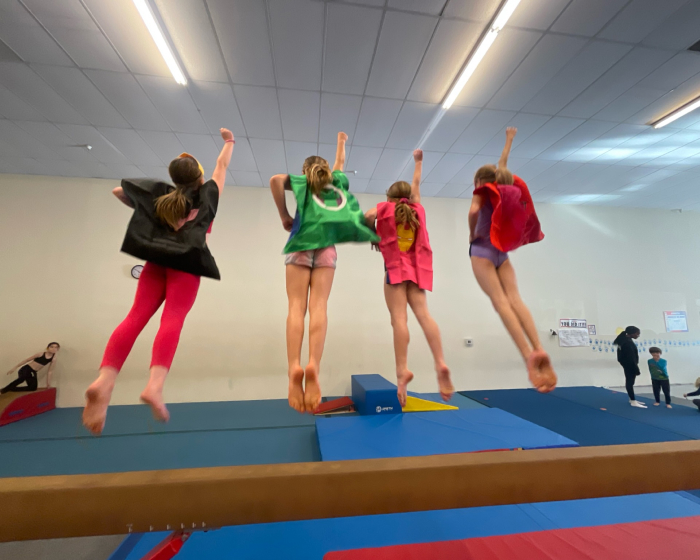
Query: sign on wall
676,321
573,332
572,323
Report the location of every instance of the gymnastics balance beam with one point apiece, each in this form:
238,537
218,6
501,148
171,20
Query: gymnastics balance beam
118,503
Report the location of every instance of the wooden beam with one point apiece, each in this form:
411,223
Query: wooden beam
115,503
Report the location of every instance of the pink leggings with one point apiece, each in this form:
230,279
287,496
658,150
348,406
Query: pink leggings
156,284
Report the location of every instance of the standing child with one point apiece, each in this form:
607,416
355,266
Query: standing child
169,230
659,376
502,218
326,214
408,261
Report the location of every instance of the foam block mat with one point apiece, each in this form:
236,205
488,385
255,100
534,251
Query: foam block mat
430,433
586,425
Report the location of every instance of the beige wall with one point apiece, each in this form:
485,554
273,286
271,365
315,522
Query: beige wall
62,277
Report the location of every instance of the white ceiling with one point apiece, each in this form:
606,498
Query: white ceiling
581,79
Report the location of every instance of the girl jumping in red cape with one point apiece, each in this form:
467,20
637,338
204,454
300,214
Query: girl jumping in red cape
502,218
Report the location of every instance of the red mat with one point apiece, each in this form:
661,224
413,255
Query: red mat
676,539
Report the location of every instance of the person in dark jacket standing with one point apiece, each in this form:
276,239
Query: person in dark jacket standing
628,357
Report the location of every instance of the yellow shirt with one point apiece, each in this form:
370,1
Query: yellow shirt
405,236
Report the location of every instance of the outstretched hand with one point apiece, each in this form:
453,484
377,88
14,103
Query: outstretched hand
342,137
417,155
226,134
511,131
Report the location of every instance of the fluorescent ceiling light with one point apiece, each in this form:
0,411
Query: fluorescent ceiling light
678,113
477,56
154,29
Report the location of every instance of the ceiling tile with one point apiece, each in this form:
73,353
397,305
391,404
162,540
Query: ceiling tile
297,152
358,185
377,118
674,71
431,189
30,41
553,130
129,143
540,66
507,52
639,18
57,141
665,104
431,7
16,142
102,150
376,186
586,67
451,191
390,165
534,168
555,174
449,48
629,103
270,156
164,144
297,41
402,42
122,24
351,36
76,89
13,107
584,134
217,106
430,160
155,172
363,160
339,113
449,128
175,104
24,166
587,17
203,148
243,159
241,27
481,129
678,31
477,10
537,14
29,87
526,123
247,178
447,168
410,125
127,95
327,152
300,114
260,111
634,66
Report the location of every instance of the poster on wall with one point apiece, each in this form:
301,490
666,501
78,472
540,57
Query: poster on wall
573,333
676,321
591,330
572,323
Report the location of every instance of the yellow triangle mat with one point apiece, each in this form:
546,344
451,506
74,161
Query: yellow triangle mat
414,404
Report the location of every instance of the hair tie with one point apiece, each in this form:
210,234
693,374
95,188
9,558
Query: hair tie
404,200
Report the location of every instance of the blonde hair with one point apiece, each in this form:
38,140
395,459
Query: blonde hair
318,173
186,173
491,174
697,382
403,213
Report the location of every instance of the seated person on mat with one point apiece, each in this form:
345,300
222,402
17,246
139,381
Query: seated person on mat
29,369
659,376
695,393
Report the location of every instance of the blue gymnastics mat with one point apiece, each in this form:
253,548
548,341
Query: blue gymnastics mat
310,540
429,433
184,417
681,420
581,423
158,451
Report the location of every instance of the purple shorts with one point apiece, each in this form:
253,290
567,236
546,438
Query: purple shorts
484,248
317,258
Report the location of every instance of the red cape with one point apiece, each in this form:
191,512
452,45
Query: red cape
514,222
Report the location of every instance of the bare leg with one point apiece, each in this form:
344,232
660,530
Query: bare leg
539,359
298,278
487,277
321,284
153,393
419,304
97,397
397,302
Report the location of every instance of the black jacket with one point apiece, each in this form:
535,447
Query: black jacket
149,239
627,353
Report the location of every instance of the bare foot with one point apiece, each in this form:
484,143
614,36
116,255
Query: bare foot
540,371
312,388
403,378
154,398
668,406
296,388
95,411
656,404
444,382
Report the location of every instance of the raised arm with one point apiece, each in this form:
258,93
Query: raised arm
29,359
278,184
477,203
219,175
121,195
511,131
417,172
49,373
339,164
371,218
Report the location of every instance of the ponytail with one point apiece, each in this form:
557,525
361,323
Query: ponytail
503,176
173,207
318,174
400,193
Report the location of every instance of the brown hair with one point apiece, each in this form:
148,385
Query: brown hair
491,174
174,206
654,350
403,213
697,382
318,173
